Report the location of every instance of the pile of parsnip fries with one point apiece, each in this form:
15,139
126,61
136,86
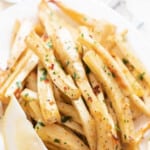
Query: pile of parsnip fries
81,87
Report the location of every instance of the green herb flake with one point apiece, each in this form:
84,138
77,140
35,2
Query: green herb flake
126,121
39,124
44,74
141,76
75,75
125,136
82,35
49,44
51,13
116,148
84,18
26,94
65,142
67,63
68,47
109,74
104,118
113,75
54,72
125,61
19,85
117,128
65,119
87,70
76,48
56,140
46,57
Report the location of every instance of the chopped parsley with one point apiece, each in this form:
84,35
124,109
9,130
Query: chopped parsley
49,44
117,128
67,63
82,35
113,75
68,47
26,94
75,75
65,118
84,18
56,140
126,121
125,61
39,124
141,76
76,48
44,74
46,57
54,72
125,136
19,85
87,70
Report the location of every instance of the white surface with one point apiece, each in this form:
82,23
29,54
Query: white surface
18,131
135,11
97,10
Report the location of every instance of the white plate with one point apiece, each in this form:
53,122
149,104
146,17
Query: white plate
91,7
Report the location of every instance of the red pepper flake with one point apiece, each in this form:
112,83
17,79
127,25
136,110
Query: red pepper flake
90,99
46,81
17,93
51,102
96,89
51,66
90,36
45,37
65,88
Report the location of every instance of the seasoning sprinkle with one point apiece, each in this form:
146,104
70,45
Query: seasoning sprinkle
141,76
19,85
39,124
125,61
82,35
75,75
49,44
67,63
44,74
56,140
26,95
65,119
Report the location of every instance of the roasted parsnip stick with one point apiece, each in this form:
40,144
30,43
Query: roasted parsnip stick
56,73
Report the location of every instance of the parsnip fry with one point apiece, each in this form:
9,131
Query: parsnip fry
19,45
87,121
56,73
126,53
68,110
30,99
31,81
65,49
50,146
47,102
89,42
98,91
138,90
59,136
110,62
73,126
119,102
17,81
19,67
